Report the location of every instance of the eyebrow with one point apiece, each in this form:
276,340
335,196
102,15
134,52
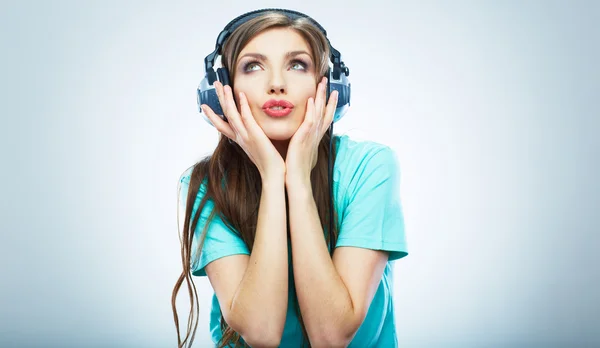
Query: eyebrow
263,57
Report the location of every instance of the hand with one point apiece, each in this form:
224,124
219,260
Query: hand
303,149
243,129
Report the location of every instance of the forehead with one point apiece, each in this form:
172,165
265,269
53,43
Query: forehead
276,42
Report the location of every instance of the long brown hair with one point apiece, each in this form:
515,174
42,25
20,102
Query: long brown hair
230,162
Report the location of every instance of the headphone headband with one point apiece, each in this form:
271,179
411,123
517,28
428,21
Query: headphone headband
334,56
236,22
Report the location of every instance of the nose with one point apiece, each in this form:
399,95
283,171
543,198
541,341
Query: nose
277,84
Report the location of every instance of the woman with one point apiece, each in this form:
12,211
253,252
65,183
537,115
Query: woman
261,236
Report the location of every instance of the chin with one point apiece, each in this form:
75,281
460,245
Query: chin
280,129
279,132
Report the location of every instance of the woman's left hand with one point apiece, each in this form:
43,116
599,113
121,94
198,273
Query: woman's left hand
303,148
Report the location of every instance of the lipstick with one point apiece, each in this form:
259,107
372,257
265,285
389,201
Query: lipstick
277,108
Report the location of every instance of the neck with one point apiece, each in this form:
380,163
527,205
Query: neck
281,146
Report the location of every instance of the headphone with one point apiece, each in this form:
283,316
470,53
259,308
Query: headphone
337,79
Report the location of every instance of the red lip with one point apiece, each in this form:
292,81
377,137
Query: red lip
272,102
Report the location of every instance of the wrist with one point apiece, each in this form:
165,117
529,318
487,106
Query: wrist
273,173
298,185
296,176
273,179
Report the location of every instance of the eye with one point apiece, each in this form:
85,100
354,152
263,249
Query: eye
248,66
299,63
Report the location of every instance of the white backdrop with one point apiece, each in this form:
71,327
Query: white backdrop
492,108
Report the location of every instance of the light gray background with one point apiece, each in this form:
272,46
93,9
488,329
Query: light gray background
492,108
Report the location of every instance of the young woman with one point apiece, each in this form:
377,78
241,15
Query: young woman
262,233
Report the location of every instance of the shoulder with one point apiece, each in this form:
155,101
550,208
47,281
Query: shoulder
367,193
186,177
184,182
357,155
364,168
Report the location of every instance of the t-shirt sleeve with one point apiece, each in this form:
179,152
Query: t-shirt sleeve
373,216
219,241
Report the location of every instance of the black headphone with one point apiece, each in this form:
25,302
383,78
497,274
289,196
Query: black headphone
337,79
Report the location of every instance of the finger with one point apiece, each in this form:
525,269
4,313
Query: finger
310,116
246,113
224,103
232,113
320,99
225,106
219,89
219,124
318,116
307,123
330,111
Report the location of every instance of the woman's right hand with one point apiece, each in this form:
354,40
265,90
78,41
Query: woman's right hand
243,129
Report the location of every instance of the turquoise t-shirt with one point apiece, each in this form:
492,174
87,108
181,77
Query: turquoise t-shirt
367,198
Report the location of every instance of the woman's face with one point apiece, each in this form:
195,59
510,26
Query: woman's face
276,65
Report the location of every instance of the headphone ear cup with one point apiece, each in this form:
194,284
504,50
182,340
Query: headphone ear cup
210,98
223,75
342,85
207,94
329,90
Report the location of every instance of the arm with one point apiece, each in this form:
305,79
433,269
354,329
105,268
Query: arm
334,295
253,293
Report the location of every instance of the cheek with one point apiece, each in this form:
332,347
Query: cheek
242,87
309,92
